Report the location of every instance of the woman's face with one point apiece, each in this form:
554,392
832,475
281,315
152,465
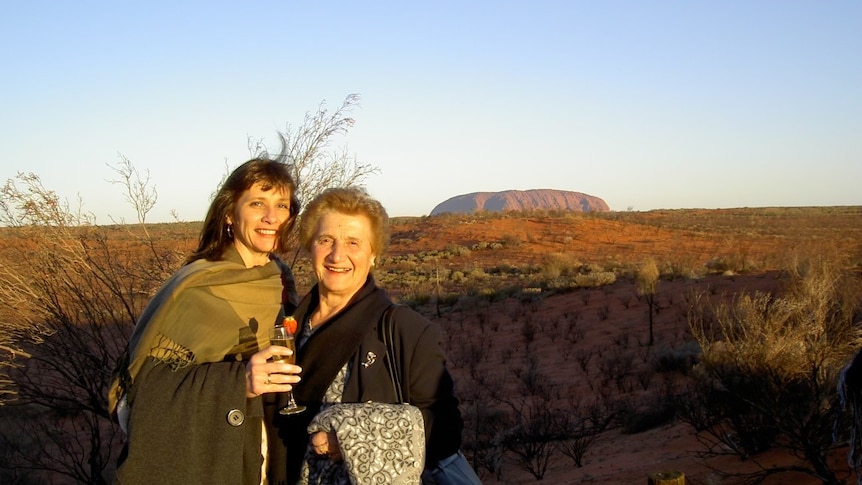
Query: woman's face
341,253
257,216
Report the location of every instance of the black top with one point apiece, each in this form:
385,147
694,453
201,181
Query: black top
352,335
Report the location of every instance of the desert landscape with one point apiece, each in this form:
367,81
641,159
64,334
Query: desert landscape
544,315
722,252
638,226
499,273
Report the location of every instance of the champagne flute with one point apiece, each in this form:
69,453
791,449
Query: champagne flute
282,335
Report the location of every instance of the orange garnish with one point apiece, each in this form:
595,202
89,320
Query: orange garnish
290,324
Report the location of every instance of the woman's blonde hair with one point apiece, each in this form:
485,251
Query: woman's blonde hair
351,201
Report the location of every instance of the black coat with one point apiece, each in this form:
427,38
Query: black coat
192,423
352,335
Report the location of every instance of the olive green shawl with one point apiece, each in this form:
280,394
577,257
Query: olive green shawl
208,311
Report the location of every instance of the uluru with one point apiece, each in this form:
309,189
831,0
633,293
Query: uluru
519,200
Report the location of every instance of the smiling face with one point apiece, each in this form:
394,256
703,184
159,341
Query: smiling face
256,218
341,254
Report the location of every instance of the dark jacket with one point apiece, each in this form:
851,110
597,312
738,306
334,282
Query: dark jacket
353,335
193,425
190,422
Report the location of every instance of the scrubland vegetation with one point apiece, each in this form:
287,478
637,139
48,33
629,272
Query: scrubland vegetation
561,328
552,347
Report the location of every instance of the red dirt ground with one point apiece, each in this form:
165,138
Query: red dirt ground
757,239
619,458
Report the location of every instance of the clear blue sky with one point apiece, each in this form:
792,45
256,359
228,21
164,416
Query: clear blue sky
646,104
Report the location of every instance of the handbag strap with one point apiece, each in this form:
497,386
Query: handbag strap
387,334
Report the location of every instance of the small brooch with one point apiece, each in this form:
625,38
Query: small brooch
370,358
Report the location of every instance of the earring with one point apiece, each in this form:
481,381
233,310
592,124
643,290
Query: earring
230,231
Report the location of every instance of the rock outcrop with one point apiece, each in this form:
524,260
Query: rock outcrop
518,200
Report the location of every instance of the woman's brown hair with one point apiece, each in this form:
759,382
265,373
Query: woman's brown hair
271,173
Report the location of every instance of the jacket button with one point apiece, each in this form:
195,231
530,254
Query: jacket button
235,417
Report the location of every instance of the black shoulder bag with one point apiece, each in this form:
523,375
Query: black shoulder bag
387,336
452,470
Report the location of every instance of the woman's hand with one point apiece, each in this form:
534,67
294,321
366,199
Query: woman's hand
326,444
263,375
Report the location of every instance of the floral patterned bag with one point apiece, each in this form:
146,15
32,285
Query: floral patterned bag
379,442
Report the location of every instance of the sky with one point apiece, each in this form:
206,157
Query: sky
645,104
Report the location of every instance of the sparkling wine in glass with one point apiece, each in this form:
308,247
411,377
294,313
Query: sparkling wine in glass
282,335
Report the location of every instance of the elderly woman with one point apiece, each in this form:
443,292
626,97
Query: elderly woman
345,233
190,390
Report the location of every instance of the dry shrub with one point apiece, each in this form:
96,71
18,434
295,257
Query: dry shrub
459,251
594,280
79,288
810,324
554,265
678,359
770,363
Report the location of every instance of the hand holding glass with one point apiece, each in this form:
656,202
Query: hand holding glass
282,336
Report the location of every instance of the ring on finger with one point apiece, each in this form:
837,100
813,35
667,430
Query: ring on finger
268,380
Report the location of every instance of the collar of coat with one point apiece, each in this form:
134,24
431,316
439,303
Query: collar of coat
330,346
